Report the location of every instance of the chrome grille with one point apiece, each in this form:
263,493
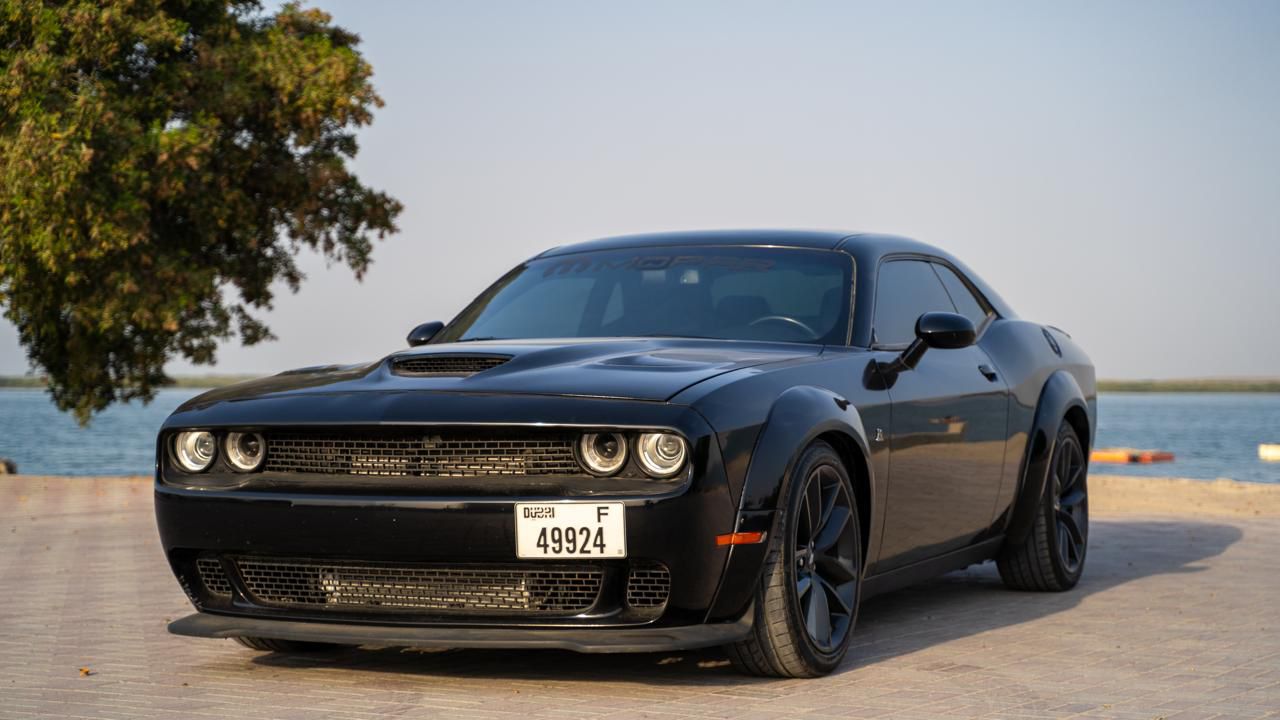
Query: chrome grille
648,586
213,576
436,589
421,453
447,364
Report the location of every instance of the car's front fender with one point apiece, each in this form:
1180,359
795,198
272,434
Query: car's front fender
797,417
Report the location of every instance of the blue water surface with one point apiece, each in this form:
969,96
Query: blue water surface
120,441
1212,435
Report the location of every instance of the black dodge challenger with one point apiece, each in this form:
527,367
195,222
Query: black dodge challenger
642,443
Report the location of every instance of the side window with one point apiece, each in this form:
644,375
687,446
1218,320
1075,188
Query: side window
905,290
967,304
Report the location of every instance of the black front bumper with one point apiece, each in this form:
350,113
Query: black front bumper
407,534
359,525
587,640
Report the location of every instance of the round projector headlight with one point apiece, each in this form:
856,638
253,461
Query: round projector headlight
194,450
245,451
603,453
661,454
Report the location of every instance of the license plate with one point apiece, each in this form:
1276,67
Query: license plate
571,530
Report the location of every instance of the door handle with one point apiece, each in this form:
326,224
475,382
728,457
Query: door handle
988,372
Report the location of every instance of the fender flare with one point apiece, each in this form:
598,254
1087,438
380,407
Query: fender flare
796,418
1060,393
799,415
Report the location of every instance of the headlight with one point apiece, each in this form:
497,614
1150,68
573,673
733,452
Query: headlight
603,453
245,451
194,450
661,454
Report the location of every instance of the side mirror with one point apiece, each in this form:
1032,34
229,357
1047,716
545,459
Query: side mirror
941,330
945,331
422,334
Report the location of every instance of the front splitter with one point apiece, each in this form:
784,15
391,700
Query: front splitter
586,640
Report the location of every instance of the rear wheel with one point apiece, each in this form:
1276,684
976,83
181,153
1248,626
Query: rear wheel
807,602
1052,555
286,646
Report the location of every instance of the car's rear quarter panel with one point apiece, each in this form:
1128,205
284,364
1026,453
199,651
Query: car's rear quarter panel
1025,357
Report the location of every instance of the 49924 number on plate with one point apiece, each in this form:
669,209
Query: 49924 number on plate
571,530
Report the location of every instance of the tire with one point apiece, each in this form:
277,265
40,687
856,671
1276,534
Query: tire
286,646
1051,558
800,578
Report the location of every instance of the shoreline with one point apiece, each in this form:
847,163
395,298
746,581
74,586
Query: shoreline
1108,494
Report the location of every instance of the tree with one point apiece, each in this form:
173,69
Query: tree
162,163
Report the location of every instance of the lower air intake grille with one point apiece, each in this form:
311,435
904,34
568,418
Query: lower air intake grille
213,576
437,590
447,364
421,453
648,586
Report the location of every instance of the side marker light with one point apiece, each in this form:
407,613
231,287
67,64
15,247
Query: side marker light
741,538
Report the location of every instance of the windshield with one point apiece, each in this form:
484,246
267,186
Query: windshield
733,293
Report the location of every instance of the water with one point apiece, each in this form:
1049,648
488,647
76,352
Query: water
1212,435
121,441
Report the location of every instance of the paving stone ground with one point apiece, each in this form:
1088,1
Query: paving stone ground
1177,617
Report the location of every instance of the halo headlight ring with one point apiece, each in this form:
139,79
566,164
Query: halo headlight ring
661,455
194,450
245,451
602,453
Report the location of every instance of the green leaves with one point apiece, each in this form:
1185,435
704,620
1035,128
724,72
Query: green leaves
161,164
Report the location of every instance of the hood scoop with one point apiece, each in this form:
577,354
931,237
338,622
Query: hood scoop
446,365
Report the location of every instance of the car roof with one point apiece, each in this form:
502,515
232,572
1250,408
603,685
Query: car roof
855,243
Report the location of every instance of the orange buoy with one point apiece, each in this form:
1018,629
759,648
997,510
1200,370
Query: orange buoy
1129,456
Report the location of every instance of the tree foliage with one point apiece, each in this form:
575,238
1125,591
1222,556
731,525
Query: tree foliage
162,163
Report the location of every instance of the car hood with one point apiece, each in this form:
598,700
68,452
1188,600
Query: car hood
654,369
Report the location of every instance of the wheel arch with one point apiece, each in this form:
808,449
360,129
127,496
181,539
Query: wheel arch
860,474
1079,419
797,418
1060,399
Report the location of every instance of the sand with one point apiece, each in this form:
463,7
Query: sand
1122,495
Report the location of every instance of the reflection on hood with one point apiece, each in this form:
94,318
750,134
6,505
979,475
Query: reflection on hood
653,369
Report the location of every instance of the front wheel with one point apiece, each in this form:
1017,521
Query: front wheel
807,602
1052,555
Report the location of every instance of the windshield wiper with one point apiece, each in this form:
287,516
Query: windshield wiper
478,339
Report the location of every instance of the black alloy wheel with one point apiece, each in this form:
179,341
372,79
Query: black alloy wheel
1071,510
826,567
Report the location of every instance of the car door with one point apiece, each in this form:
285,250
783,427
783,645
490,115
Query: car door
948,423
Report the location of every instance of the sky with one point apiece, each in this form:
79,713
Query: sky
1111,168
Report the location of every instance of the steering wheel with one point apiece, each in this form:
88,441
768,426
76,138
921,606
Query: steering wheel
788,321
